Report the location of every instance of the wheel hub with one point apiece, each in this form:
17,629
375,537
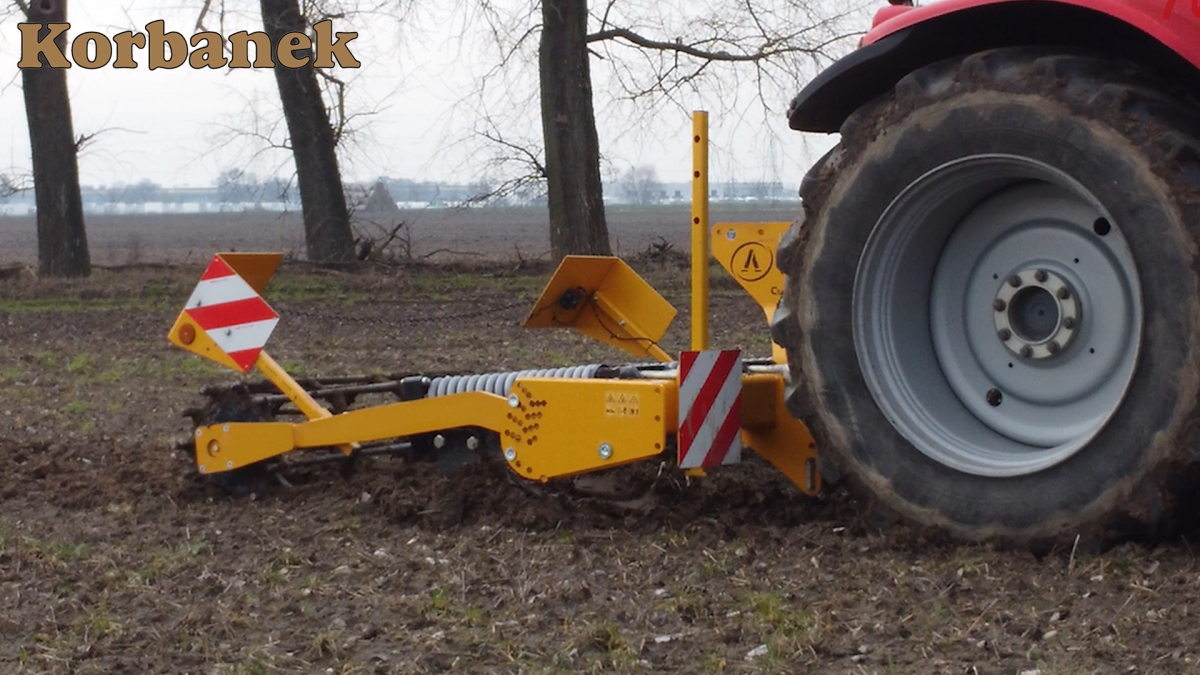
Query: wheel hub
1036,313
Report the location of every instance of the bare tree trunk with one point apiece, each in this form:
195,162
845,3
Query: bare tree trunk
314,146
62,241
574,192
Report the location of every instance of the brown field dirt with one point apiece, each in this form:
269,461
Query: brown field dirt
447,234
115,557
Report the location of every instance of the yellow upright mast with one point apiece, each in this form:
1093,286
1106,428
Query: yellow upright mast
699,230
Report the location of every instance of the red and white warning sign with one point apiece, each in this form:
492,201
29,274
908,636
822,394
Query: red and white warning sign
232,313
710,408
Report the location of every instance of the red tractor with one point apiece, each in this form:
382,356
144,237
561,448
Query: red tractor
992,309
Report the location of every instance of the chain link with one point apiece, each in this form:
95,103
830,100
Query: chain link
406,321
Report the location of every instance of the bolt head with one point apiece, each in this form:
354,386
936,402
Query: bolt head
1053,347
439,441
199,433
513,401
606,451
229,464
1064,293
225,428
999,305
1027,351
510,454
1041,275
1004,334
1014,281
203,468
994,397
472,443
1068,323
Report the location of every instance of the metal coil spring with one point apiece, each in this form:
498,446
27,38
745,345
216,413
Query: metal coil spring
500,383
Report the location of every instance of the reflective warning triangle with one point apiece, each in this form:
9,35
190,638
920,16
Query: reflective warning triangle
232,313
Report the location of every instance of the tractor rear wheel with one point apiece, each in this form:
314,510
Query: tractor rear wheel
991,311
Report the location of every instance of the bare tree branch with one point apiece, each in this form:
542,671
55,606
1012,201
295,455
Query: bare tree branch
13,184
521,163
766,51
83,140
202,14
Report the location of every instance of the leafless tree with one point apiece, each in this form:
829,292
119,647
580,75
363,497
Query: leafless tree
316,119
62,239
640,185
653,57
12,184
313,142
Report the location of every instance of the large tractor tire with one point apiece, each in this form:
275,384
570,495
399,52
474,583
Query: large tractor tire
991,311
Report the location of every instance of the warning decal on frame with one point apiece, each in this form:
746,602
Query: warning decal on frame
621,404
752,261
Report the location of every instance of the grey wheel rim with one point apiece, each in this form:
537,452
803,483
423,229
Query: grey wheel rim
997,315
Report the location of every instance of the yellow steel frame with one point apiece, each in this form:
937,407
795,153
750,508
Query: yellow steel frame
549,428
699,230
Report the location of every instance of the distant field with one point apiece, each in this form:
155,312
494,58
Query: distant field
494,233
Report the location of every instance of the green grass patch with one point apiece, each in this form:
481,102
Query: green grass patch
74,408
313,289
73,304
778,617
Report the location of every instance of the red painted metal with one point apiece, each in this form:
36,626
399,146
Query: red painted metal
1175,23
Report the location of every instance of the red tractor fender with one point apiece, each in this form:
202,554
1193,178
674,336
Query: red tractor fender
1163,35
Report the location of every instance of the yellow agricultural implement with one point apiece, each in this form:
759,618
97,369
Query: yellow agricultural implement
704,406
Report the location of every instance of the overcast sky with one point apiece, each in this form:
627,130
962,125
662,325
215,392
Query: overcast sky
174,126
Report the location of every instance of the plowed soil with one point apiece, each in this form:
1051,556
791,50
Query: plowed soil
115,557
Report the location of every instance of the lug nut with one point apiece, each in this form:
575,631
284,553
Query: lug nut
1068,323
1064,293
999,305
1041,275
1027,351
1053,347
994,397
1004,334
1014,281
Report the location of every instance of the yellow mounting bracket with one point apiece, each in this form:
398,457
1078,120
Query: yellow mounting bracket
747,252
603,298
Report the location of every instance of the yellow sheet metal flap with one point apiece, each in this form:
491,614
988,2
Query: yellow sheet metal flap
256,268
603,298
747,252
